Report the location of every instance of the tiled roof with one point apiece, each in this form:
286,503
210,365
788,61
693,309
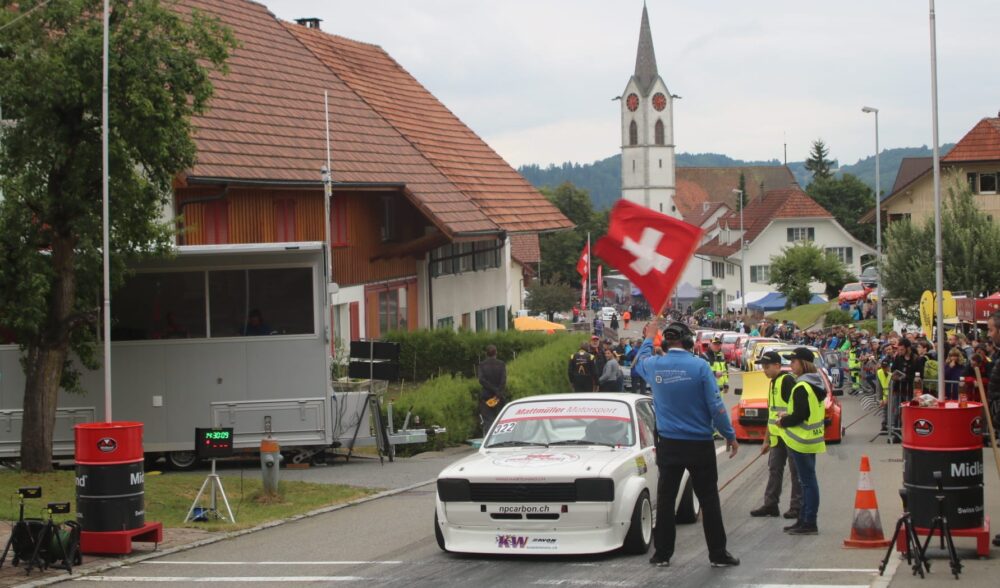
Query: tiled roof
717,183
444,140
776,204
524,248
982,143
266,123
704,212
688,197
910,168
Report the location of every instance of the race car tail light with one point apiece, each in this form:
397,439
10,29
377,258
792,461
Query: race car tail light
595,490
454,490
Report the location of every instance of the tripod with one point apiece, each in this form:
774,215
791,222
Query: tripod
915,557
216,488
20,532
50,545
940,525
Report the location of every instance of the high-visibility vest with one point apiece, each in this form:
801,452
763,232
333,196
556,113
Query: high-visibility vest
807,437
852,359
718,364
884,379
776,408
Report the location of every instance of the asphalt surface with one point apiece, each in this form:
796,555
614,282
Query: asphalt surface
390,542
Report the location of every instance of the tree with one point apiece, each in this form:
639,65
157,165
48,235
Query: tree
742,197
817,162
561,250
550,298
803,263
847,198
50,169
969,242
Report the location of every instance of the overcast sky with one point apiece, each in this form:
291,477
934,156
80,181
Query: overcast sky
535,78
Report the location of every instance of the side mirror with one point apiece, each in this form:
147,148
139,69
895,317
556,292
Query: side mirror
738,391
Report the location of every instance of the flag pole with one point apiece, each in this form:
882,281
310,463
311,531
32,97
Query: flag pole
590,254
105,214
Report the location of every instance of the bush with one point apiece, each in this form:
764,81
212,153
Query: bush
428,353
871,325
837,317
451,401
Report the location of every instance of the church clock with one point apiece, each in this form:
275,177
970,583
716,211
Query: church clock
659,101
632,102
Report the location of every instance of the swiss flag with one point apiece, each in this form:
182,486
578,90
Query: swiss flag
649,247
583,266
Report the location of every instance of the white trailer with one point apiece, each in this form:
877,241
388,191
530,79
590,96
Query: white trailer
218,335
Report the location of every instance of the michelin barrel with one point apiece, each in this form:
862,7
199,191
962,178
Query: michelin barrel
110,479
946,438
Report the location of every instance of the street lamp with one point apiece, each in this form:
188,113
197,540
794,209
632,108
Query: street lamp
743,291
878,227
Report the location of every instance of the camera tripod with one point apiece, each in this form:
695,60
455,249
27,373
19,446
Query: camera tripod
940,525
915,557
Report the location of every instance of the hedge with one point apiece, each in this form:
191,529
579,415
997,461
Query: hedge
450,401
429,353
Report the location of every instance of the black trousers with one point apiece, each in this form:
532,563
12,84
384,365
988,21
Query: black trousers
673,456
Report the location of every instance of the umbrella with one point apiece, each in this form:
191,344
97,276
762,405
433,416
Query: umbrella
530,323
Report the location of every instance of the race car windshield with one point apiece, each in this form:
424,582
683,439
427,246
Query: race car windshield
564,422
853,288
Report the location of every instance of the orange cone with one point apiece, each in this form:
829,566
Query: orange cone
866,531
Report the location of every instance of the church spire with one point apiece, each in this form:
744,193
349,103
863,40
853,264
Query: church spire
645,58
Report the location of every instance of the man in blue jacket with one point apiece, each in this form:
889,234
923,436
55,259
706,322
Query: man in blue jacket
689,410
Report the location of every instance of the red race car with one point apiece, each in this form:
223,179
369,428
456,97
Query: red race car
749,416
853,292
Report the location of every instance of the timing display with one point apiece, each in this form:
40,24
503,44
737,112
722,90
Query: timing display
211,443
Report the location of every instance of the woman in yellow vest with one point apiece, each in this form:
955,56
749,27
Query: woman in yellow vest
803,434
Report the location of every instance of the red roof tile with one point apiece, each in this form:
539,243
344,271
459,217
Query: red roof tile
775,204
982,143
704,212
524,248
444,140
716,184
266,123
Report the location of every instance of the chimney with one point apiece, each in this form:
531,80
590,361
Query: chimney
309,23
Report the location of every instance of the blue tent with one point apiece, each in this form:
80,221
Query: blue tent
776,301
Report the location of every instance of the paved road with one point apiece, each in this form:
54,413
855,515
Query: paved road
390,542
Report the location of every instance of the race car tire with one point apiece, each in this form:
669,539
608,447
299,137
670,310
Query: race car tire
437,533
640,529
687,510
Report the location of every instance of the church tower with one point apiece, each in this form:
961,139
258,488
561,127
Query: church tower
648,132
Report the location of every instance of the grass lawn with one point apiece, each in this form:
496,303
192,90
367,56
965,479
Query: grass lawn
169,496
805,315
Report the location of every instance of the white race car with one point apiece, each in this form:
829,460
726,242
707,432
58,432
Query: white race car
558,474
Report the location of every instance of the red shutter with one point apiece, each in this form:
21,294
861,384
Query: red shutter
355,311
284,221
216,222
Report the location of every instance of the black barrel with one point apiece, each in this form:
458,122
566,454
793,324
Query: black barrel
110,480
946,439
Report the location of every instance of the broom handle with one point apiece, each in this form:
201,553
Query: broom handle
989,418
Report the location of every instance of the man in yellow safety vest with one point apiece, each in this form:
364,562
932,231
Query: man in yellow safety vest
803,434
717,363
778,397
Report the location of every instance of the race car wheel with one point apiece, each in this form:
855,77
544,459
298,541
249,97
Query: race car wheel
437,533
640,530
687,510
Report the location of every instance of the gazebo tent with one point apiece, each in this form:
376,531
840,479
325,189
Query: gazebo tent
776,301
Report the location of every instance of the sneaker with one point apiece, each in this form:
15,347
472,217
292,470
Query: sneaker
725,560
765,511
660,561
791,514
804,529
796,525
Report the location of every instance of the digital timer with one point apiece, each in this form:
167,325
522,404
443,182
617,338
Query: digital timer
212,443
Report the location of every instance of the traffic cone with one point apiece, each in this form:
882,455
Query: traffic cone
866,530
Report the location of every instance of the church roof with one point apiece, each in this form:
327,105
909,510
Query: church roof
696,185
645,57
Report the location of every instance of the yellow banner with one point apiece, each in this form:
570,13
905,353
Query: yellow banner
950,310
927,314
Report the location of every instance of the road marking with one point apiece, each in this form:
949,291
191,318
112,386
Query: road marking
206,579
806,585
577,582
845,570
269,563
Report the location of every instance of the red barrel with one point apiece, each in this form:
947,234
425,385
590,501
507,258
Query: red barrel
945,438
110,488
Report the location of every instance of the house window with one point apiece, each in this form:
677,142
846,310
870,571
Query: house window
284,221
169,305
392,310
718,269
971,177
760,274
446,323
501,313
633,133
899,217
844,254
487,254
661,164
988,183
388,228
261,302
796,234
465,261
338,222
730,269
658,132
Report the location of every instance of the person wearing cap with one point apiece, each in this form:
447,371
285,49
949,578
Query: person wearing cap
688,411
884,377
581,369
778,396
717,362
803,433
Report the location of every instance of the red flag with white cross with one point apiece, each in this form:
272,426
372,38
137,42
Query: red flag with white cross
583,264
650,248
